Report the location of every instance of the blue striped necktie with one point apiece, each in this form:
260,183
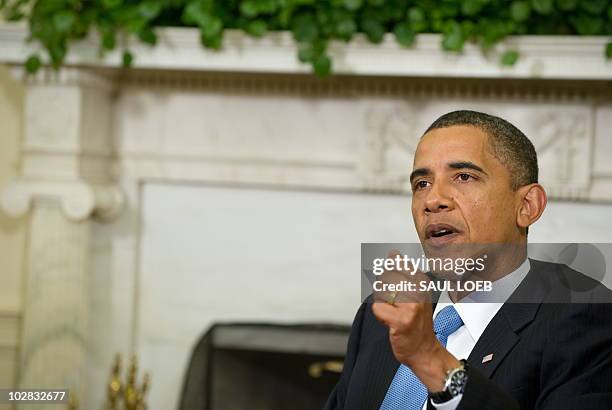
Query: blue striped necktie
406,391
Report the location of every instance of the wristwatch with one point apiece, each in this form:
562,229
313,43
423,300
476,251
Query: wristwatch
454,384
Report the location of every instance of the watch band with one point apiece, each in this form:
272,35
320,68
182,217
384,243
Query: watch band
454,384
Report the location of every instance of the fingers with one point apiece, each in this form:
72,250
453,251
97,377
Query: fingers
394,287
401,282
400,315
385,313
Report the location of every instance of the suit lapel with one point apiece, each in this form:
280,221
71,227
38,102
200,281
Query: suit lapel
496,341
502,333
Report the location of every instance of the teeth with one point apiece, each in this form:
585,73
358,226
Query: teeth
442,232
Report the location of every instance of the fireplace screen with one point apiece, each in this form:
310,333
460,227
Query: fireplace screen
264,366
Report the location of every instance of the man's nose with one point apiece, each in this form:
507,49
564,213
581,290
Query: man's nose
438,198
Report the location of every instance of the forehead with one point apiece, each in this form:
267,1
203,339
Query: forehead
456,143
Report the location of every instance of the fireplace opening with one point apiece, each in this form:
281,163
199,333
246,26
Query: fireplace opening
264,366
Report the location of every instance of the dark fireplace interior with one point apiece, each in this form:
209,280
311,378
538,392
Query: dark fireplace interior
264,366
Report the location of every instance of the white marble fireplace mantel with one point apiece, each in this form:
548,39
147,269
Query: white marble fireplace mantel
178,153
543,57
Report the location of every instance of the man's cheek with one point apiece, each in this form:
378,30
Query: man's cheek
472,207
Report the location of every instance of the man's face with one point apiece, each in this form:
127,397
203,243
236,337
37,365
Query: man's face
461,193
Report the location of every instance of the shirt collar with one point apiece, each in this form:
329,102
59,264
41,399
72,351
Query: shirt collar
478,309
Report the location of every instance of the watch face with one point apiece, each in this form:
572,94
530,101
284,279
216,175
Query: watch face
457,383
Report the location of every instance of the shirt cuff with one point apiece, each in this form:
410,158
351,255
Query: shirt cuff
452,404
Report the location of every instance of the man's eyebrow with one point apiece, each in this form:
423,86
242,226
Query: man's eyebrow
419,172
466,165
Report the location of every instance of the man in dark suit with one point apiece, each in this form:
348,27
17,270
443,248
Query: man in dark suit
546,344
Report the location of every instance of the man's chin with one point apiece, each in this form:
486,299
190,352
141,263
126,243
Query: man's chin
449,246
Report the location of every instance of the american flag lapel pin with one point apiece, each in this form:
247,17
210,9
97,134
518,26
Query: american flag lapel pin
487,358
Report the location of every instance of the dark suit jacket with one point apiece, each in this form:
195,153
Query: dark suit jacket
548,353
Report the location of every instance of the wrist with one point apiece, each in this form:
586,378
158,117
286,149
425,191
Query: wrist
454,385
431,368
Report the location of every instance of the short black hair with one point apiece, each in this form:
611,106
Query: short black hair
508,144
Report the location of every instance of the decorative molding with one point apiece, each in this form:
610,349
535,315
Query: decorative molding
66,149
389,148
546,57
355,86
67,76
563,139
371,153
79,200
57,295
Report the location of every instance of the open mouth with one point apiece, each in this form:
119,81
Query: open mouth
435,231
441,232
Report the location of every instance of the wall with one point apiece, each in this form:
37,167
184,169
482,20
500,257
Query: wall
12,231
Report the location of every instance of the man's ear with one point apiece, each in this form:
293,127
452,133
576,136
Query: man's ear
533,202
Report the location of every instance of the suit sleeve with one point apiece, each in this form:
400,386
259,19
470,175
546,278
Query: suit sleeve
576,370
337,397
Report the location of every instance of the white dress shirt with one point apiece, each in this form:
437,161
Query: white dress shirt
476,313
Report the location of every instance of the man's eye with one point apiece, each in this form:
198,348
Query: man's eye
421,184
464,177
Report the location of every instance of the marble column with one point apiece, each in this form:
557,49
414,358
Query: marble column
65,181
